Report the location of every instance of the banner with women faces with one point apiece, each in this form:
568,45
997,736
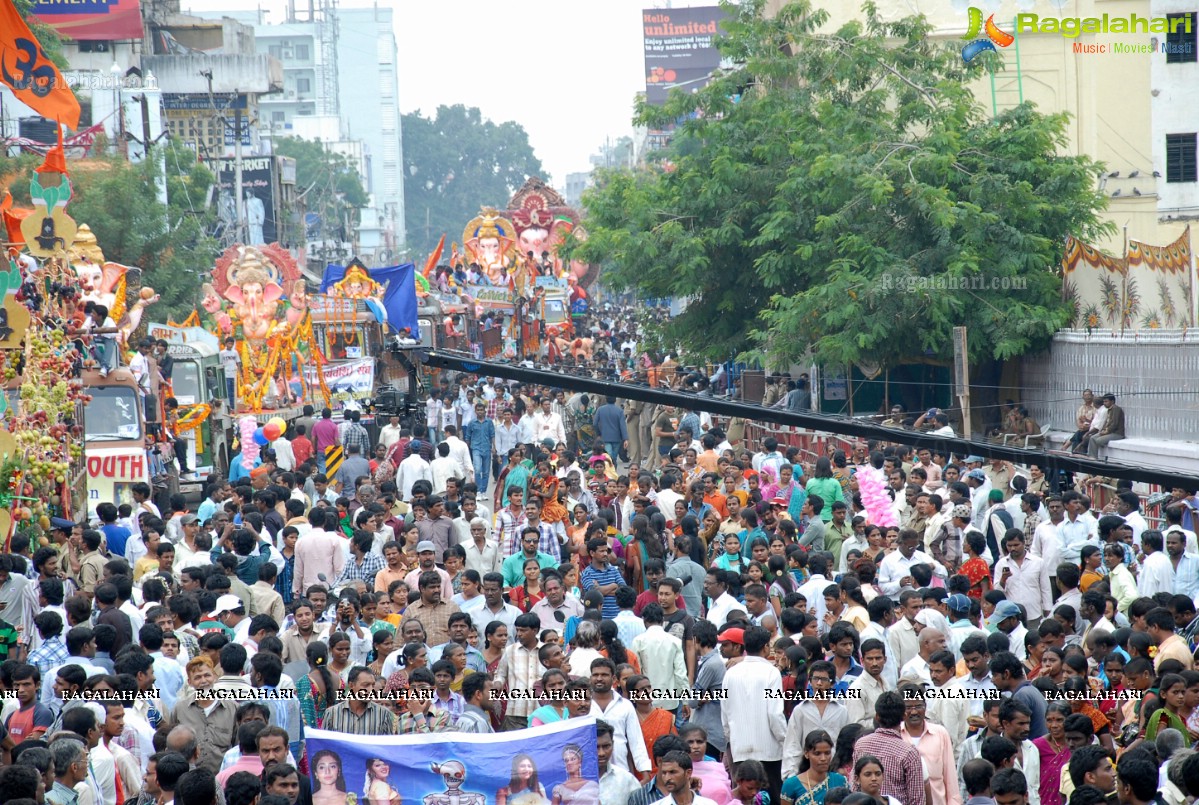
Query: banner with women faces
548,764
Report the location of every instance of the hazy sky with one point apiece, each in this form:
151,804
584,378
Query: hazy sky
566,71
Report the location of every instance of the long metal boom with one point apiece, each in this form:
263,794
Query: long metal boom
1050,462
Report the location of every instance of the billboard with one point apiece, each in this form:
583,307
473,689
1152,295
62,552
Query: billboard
91,20
258,200
680,49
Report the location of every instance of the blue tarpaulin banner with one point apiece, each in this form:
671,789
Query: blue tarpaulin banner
524,767
399,293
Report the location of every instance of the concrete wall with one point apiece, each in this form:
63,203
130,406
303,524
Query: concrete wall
1154,375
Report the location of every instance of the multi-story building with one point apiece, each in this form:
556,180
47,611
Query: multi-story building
340,87
1134,107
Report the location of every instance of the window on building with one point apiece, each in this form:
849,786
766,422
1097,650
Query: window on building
276,51
303,86
1183,37
278,117
1180,158
94,46
301,53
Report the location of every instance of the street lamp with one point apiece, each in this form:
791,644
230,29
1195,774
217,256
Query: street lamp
116,72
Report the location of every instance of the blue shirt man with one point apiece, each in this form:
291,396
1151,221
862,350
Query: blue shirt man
480,436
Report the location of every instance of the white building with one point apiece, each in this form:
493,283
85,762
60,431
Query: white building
340,87
1174,109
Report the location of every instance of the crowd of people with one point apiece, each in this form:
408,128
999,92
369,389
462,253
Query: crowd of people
744,629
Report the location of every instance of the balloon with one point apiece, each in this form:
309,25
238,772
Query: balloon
279,423
271,431
260,438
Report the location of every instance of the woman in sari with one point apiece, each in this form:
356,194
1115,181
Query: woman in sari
577,532
814,779
975,568
655,722
495,640
317,689
1092,559
709,532
636,553
545,485
1172,698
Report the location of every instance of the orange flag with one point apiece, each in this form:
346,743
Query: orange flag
431,263
33,78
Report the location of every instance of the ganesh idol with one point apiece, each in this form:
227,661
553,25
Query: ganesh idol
490,242
255,294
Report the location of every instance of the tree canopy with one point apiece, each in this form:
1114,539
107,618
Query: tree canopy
328,184
843,195
119,201
454,164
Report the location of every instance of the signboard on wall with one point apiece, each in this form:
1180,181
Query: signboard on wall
92,20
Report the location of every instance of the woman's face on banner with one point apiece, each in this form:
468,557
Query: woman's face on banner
380,770
572,762
524,769
327,771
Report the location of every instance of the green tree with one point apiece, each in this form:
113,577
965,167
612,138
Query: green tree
327,183
456,163
828,192
119,201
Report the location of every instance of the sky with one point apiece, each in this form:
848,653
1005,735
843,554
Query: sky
566,71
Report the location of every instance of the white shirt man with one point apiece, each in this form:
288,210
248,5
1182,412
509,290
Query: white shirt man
896,566
285,459
443,468
390,434
626,729
718,611
1156,574
460,452
412,469
756,727
548,425
1025,582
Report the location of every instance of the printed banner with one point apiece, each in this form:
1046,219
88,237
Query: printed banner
551,763
99,20
492,297
258,199
356,378
1147,289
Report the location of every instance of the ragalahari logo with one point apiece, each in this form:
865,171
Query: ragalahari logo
978,44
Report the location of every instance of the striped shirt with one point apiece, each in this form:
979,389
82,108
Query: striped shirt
519,670
375,720
593,577
903,777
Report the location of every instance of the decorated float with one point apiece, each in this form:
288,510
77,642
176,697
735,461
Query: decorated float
74,428
509,273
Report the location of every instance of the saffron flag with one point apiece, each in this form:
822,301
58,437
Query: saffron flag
26,69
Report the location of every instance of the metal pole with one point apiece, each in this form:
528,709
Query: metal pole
241,214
